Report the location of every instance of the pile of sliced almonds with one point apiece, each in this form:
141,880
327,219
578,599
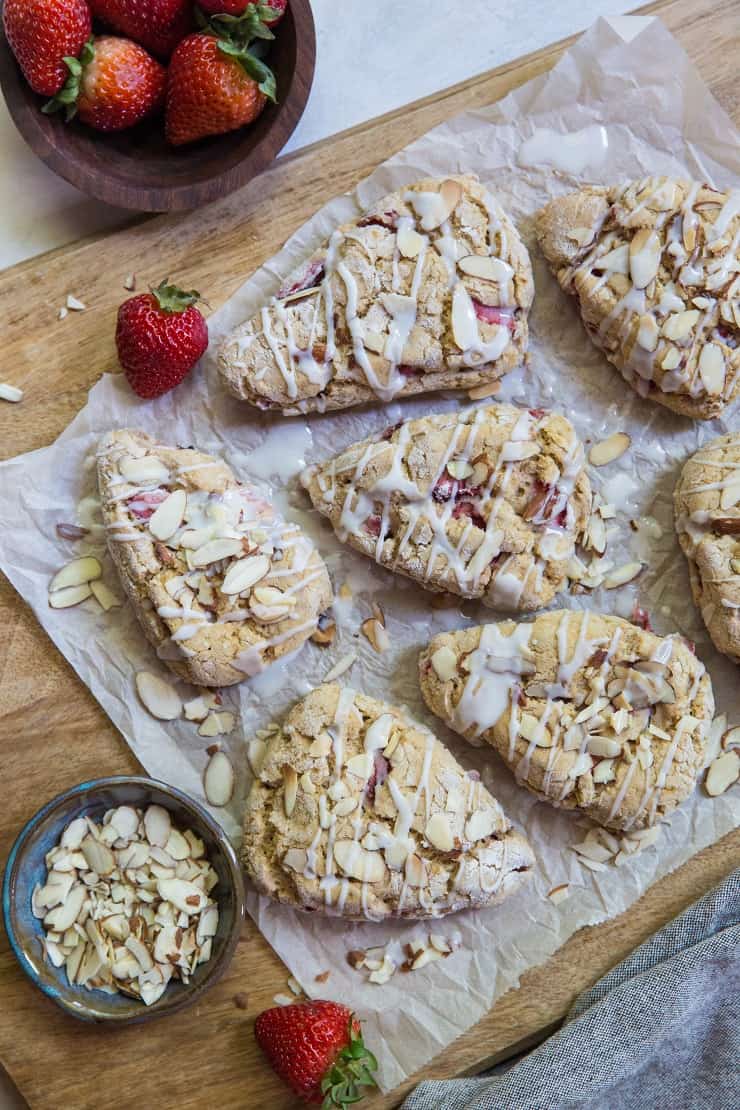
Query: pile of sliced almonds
382,963
601,847
79,580
723,757
126,904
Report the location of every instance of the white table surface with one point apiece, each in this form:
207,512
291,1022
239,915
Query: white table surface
372,56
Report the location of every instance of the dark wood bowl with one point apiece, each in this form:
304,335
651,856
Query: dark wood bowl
136,168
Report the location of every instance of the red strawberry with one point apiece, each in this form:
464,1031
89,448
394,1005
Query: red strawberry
41,34
316,1047
214,86
156,24
114,85
159,336
269,11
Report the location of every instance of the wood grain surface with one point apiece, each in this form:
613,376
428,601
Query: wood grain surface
54,734
136,168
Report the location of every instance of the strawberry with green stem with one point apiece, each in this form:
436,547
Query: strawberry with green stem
317,1049
160,335
43,34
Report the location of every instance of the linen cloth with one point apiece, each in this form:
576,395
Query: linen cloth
661,1031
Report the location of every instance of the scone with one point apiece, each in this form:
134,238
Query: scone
655,265
221,585
589,711
707,504
359,812
429,289
488,503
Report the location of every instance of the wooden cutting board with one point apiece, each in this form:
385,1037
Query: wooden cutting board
54,734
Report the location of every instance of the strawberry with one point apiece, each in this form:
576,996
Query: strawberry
41,34
114,84
270,13
160,335
316,1047
215,85
157,25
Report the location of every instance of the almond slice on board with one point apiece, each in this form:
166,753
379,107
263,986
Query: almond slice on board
609,449
76,573
218,779
162,701
71,595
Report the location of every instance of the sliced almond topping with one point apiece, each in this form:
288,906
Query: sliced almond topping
301,294
290,783
482,391
644,253
162,701
71,595
444,662
679,325
712,368
409,242
377,733
622,575
358,862
616,261
425,957
244,573
604,771
197,709
480,824
722,773
459,468
580,235
464,321
671,358
256,753
147,471
295,859
77,573
104,596
648,332
731,739
439,833
168,515
609,450
415,870
559,893
185,896
485,266
376,634
218,780
603,747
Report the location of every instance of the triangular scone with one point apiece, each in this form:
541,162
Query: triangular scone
222,586
589,711
655,266
429,289
359,812
488,503
707,503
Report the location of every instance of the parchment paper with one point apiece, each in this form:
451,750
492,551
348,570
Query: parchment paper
630,104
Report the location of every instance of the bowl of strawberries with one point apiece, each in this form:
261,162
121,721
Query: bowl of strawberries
156,105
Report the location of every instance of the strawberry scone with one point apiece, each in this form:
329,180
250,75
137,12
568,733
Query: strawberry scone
488,503
221,585
589,711
707,504
429,289
655,266
359,812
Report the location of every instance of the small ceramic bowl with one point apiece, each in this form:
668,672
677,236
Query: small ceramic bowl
26,867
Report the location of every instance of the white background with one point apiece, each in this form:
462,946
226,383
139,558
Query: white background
373,56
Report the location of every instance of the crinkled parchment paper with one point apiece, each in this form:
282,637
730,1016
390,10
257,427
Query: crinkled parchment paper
630,104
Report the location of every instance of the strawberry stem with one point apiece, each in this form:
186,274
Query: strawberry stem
255,68
171,298
67,96
350,1071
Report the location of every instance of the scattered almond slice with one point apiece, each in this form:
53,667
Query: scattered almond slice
218,780
482,391
129,282
622,575
376,634
75,305
10,392
731,739
283,1000
210,727
559,893
162,701
104,596
71,595
609,449
325,632
76,573
339,668
63,313
723,773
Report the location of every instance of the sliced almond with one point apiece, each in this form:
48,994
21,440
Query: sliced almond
361,765
679,325
603,747
377,733
485,266
63,916
376,634
559,893
98,856
157,825
71,595
256,753
77,573
10,392
162,701
464,321
722,773
197,709
604,771
339,668
409,242
358,862
439,833
609,449
290,782
616,261
648,333
671,358
168,516
622,575
459,469
580,235
146,471
480,824
644,253
214,551
301,294
104,596
218,780
184,895
731,738
712,368
444,662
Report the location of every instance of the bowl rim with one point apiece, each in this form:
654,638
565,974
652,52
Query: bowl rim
177,196
191,991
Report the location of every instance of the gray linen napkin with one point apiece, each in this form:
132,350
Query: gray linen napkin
661,1031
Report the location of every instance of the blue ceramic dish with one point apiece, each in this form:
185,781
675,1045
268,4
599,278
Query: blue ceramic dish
26,867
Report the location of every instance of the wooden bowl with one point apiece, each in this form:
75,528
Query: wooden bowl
136,168
26,867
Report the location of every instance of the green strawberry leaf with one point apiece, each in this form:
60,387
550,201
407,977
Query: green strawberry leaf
171,298
350,1071
256,69
67,96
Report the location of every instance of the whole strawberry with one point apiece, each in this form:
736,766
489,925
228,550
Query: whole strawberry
41,34
113,85
316,1047
214,86
160,336
156,24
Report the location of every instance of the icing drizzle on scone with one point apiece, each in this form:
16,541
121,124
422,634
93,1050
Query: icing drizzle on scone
707,504
358,811
220,581
656,269
589,711
486,503
432,280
